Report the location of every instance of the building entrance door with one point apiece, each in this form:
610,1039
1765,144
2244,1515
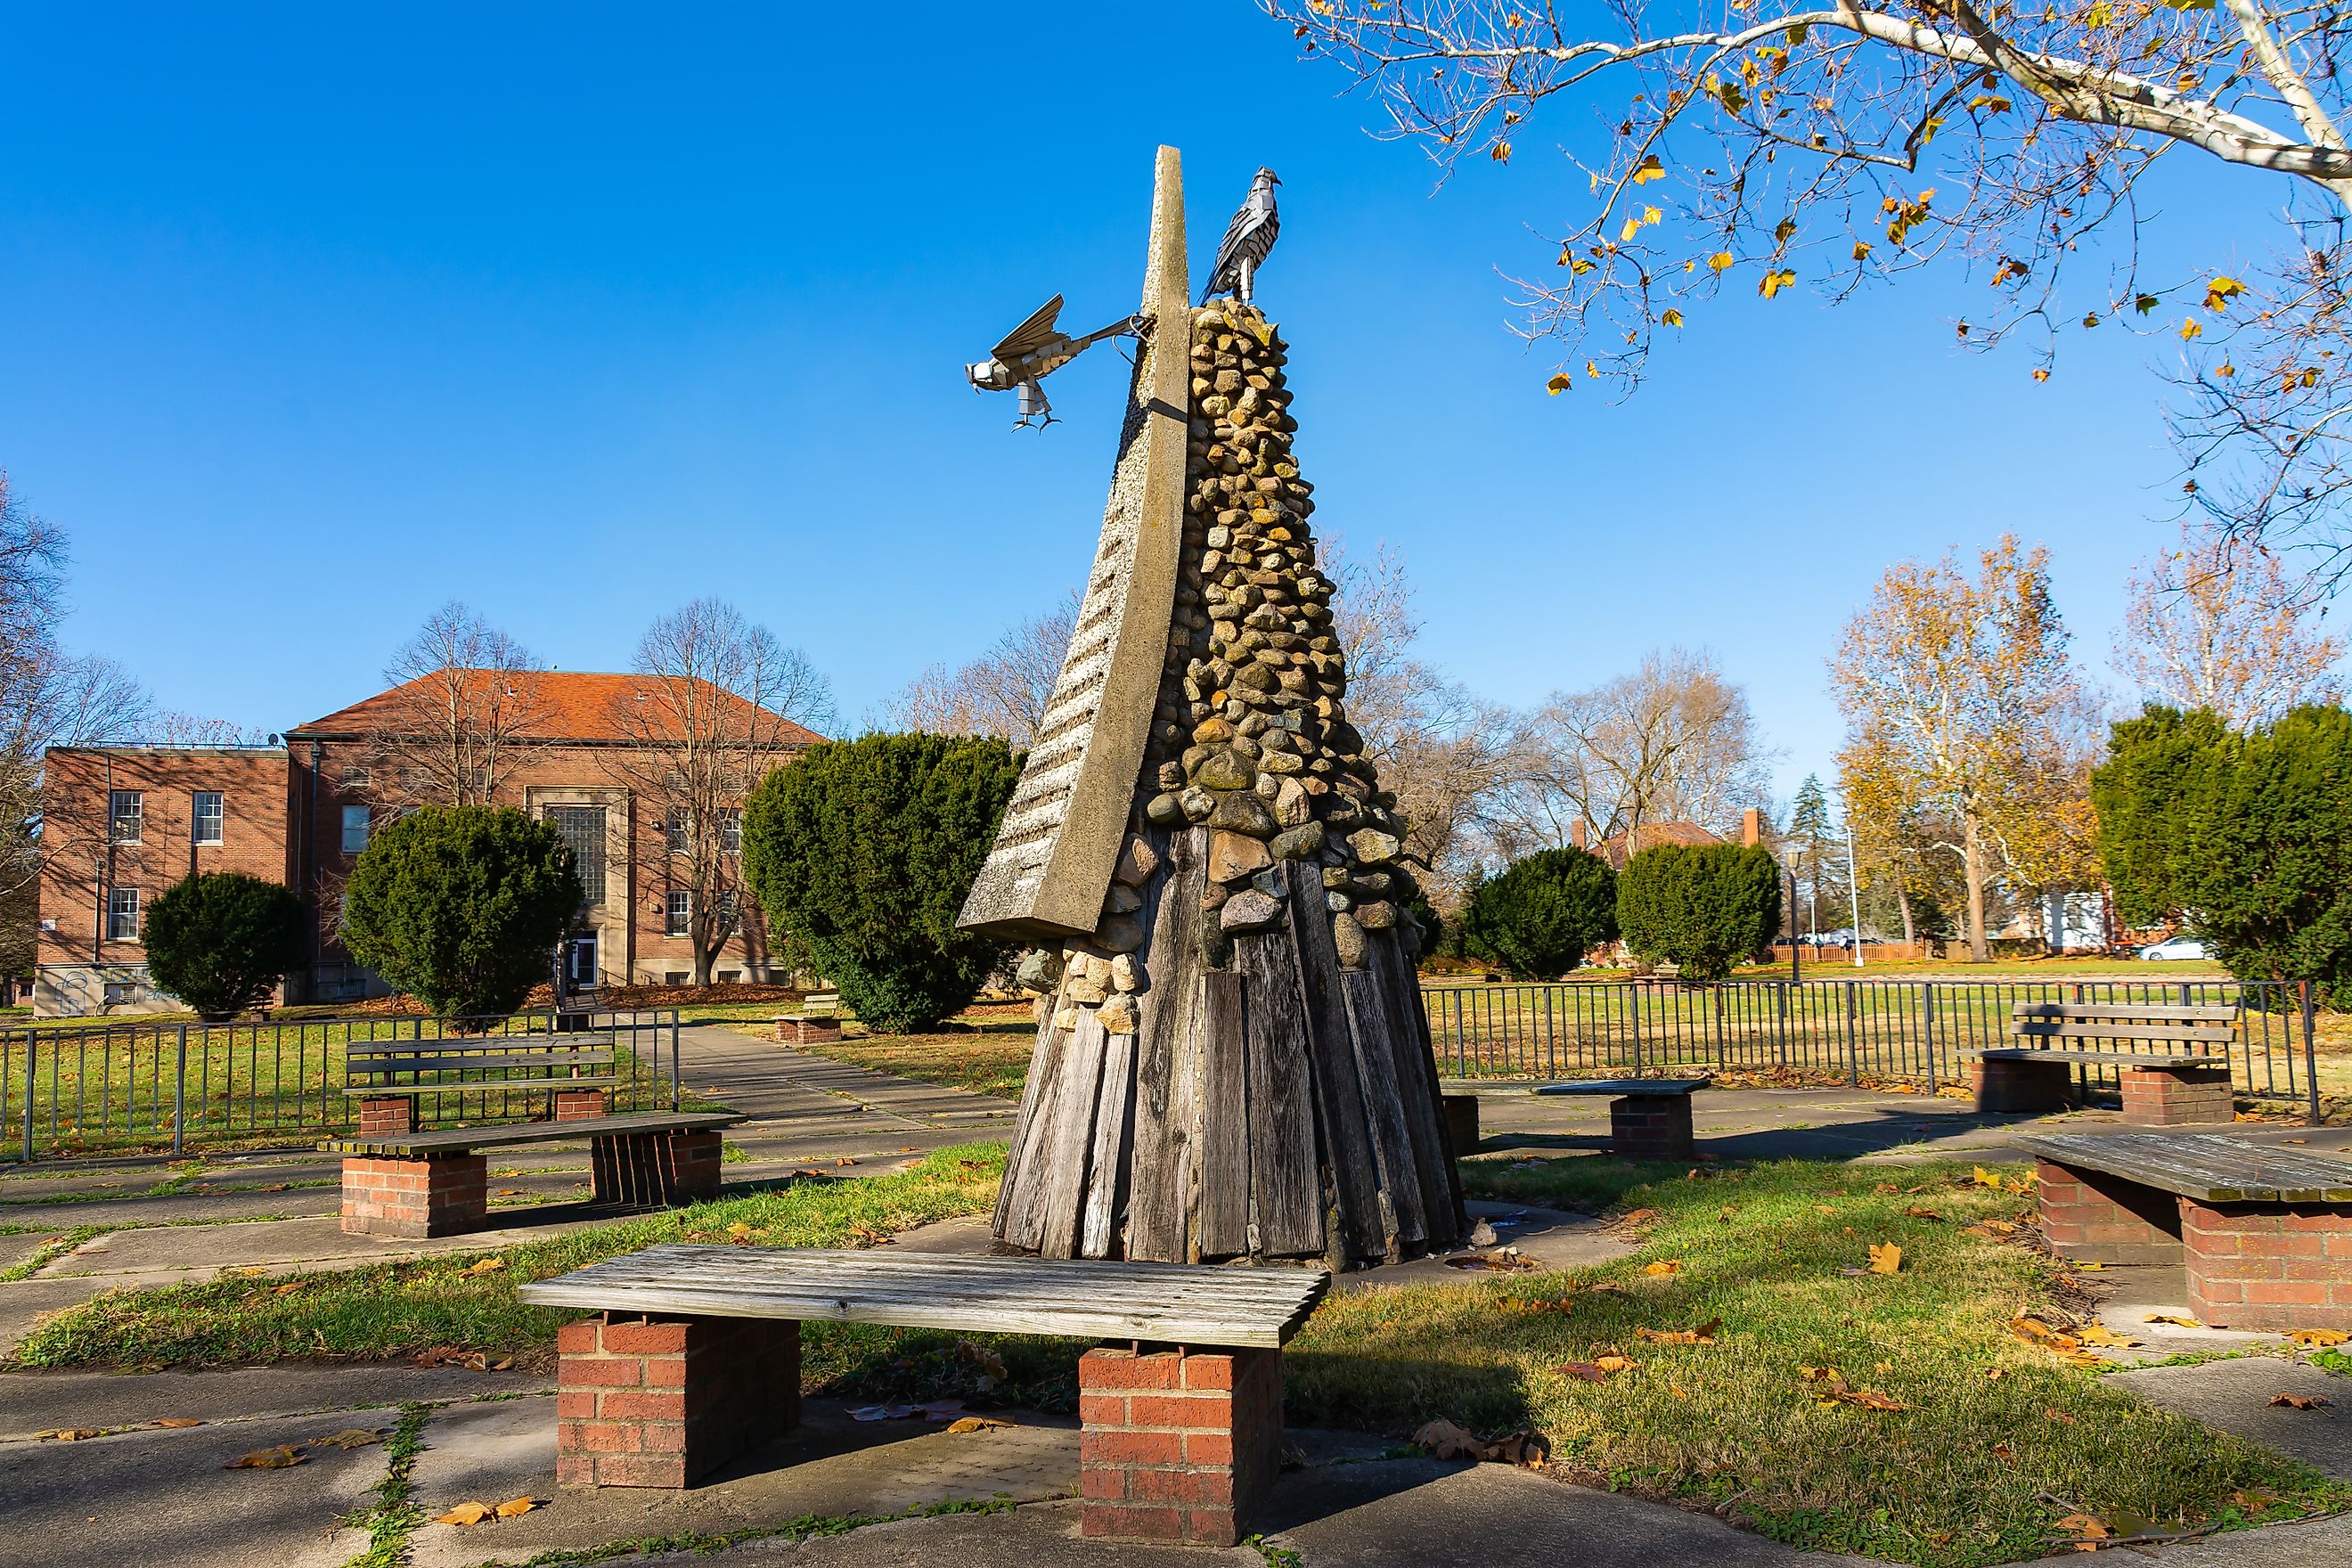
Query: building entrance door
581,961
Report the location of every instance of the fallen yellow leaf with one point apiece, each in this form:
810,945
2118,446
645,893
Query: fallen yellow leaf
1886,1257
276,1458
515,1507
2319,1337
178,1421
977,1423
67,1434
464,1514
1661,1266
2174,1319
485,1265
349,1437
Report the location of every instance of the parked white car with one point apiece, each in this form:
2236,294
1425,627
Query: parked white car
2174,947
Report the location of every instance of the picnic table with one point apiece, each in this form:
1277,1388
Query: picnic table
1649,1118
2174,1061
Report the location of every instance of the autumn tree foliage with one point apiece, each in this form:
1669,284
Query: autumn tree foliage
1963,709
2218,624
1764,146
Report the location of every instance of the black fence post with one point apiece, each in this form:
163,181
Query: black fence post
32,1086
673,1054
180,1097
2310,1052
1852,1047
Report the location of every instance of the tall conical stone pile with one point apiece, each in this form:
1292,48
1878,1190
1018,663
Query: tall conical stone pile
1231,1061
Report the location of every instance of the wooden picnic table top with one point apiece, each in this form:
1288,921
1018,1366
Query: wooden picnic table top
1175,1303
2208,1166
1628,1086
457,1139
473,1086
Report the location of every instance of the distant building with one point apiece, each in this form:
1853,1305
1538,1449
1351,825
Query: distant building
120,823
1617,848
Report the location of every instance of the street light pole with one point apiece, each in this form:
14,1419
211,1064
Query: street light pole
1854,890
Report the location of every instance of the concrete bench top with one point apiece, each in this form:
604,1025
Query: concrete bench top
2208,1166
1667,1088
2141,1058
1174,1303
459,1139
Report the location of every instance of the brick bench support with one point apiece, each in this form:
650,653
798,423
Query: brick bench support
1651,1127
438,1195
2177,1096
808,1031
387,1116
663,1401
2007,1085
578,1104
1177,1445
2269,1265
2093,1217
655,1170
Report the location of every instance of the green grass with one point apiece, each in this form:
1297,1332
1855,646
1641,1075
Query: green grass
1963,1476
1959,1478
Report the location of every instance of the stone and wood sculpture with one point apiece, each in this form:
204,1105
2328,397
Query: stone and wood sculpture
1232,1060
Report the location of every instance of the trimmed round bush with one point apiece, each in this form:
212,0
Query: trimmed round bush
221,941
866,850
1700,907
1543,913
461,906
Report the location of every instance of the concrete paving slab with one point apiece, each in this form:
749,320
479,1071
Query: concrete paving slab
2234,1395
21,1248
25,1303
33,1401
161,1499
1552,1239
2322,1543
1393,1512
1043,1535
2135,1292
832,1466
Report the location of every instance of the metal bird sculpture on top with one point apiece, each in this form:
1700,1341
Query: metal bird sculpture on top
1033,351
1247,239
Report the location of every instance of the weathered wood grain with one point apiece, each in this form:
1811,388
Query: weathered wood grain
2208,1166
1068,1140
1165,1302
1433,1145
1020,1213
1404,1213
1107,1159
1286,1181
2209,1012
1351,1170
1224,1118
2086,1029
1159,1197
457,1139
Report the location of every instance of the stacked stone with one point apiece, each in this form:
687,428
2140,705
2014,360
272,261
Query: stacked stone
1250,739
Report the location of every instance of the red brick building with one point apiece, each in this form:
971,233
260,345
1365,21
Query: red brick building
597,754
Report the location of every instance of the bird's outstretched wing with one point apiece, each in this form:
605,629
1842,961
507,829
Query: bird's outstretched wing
1030,335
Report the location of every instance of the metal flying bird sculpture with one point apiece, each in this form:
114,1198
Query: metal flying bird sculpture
1034,350
1247,239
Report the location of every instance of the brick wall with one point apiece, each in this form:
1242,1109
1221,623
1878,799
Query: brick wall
664,1401
1651,1127
1178,1445
81,860
2097,1219
2275,1267
2006,1084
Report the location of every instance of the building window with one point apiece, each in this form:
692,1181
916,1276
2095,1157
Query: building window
730,830
730,977
582,827
123,993
204,815
674,977
358,779
413,781
122,914
673,825
728,907
126,816
677,912
355,829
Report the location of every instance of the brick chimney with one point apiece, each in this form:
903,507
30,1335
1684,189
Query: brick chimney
1751,826
1576,834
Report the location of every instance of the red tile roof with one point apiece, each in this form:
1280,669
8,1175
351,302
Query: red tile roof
579,706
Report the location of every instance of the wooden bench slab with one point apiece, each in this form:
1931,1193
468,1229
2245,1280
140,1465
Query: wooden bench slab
2207,1166
2136,1058
1628,1086
1173,1304
459,1140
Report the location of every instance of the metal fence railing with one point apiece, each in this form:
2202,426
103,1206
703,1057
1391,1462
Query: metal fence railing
1888,1029
72,1088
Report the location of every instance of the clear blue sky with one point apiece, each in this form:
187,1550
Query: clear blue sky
315,316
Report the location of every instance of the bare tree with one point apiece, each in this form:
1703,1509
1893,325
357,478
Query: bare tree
719,703
49,697
468,707
1444,753
1005,691
1674,741
1846,142
2217,624
171,727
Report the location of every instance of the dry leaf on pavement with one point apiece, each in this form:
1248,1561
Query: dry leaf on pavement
515,1507
2174,1319
2302,1401
177,1421
69,1434
349,1437
2100,1334
2319,1337
977,1423
277,1459
464,1514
